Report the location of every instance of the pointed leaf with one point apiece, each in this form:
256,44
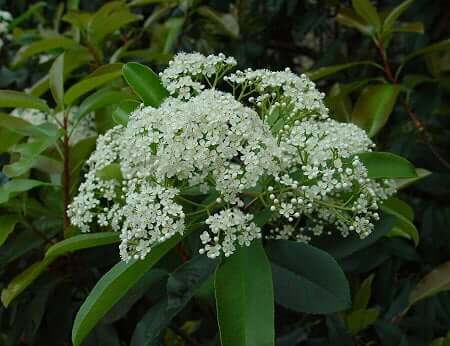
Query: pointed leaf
123,111
101,76
433,283
374,106
56,79
395,14
100,99
16,99
330,70
387,165
7,224
112,287
307,279
244,296
367,11
348,17
16,186
145,83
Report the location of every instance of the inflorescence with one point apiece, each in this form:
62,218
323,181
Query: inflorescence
222,148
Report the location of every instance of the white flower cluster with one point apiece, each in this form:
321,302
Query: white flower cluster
187,73
78,129
268,144
228,227
5,20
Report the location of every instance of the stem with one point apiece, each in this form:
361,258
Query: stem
66,173
421,129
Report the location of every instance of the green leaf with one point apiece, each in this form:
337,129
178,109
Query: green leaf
400,207
56,79
181,286
433,283
348,17
340,247
145,83
307,279
23,280
387,165
363,294
7,224
435,47
79,242
73,58
244,296
15,186
403,226
108,19
420,172
330,70
367,11
374,106
17,99
42,46
29,154
153,280
111,171
415,27
100,99
112,287
123,111
359,320
392,17
101,76
78,19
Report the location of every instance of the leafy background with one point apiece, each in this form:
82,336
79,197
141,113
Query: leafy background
307,36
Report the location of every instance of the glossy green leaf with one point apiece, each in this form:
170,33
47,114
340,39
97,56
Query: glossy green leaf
340,247
23,280
415,27
43,46
433,283
29,153
244,297
435,47
7,224
16,186
56,79
348,17
331,70
400,207
387,165
112,287
145,83
111,171
108,19
421,174
180,288
359,320
100,99
362,296
123,111
392,17
78,19
101,76
79,242
403,225
17,99
307,279
367,11
74,58
374,106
